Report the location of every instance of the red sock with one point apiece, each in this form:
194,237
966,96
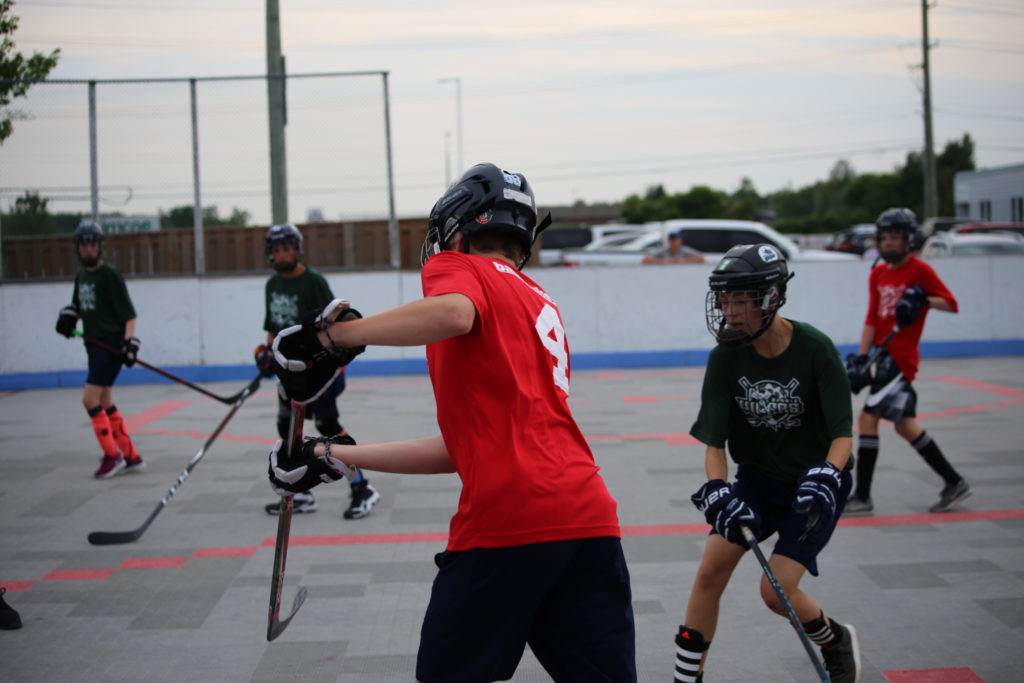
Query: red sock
101,426
120,431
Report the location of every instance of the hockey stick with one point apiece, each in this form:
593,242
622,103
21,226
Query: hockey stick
227,400
118,537
793,618
276,625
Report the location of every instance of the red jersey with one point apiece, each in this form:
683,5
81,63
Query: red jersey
886,286
502,389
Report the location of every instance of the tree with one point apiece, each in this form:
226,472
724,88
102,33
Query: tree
17,73
957,156
183,217
28,216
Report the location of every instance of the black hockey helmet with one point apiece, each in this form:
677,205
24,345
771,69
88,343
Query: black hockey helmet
88,232
760,271
484,198
284,233
901,221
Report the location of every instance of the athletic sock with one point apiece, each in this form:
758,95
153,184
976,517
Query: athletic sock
101,427
867,456
929,450
690,649
120,431
820,631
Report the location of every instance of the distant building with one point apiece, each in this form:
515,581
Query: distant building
991,194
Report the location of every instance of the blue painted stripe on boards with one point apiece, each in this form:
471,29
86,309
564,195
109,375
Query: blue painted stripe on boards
198,374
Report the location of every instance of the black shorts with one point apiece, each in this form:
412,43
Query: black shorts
104,365
890,396
323,409
569,600
773,500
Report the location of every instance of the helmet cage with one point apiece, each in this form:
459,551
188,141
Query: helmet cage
766,301
88,232
758,272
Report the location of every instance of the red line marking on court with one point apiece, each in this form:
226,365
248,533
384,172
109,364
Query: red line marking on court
363,539
78,575
136,422
996,389
959,674
226,552
154,563
17,586
932,518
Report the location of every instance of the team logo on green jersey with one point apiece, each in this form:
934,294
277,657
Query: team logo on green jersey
771,404
87,296
284,309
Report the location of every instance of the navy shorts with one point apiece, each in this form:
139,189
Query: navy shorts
104,365
569,600
773,500
323,409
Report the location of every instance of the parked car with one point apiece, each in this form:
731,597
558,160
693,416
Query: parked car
954,243
552,242
712,237
979,228
855,240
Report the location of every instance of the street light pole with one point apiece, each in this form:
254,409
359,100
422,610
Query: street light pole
458,118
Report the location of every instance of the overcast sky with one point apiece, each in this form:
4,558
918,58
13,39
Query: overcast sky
591,100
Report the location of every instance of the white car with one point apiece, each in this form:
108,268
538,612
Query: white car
552,242
972,244
712,237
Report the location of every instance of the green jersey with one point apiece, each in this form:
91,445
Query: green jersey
102,301
778,415
287,299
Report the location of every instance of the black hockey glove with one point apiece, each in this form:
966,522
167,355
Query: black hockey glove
130,351
67,320
725,512
857,371
817,497
264,358
308,471
305,367
910,304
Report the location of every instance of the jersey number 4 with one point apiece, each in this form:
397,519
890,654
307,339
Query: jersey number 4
552,336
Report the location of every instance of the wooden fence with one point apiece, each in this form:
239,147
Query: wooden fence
227,250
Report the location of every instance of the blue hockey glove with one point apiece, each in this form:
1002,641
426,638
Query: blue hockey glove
264,358
725,512
910,304
817,497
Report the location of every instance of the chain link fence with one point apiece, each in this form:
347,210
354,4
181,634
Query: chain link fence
131,152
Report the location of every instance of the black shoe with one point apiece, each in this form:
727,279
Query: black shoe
302,503
9,617
842,659
364,497
951,495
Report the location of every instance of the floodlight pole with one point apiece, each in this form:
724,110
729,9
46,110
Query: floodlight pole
928,158
458,119
277,116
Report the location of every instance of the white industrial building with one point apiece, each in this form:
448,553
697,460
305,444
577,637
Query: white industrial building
991,194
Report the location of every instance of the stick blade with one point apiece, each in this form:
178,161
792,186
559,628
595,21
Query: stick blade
114,537
276,627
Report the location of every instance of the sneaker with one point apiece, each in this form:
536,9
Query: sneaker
9,618
302,503
856,506
364,497
951,495
109,466
842,659
133,464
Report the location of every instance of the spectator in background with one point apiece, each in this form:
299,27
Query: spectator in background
675,252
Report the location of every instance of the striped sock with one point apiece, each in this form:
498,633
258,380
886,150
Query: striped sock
690,649
820,631
867,456
929,450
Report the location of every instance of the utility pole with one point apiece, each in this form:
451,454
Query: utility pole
928,158
277,116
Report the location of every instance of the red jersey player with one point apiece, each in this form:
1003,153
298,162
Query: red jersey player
901,291
534,553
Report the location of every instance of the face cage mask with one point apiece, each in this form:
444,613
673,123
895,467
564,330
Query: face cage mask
766,302
93,260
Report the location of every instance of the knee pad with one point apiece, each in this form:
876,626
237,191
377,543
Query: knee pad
328,427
